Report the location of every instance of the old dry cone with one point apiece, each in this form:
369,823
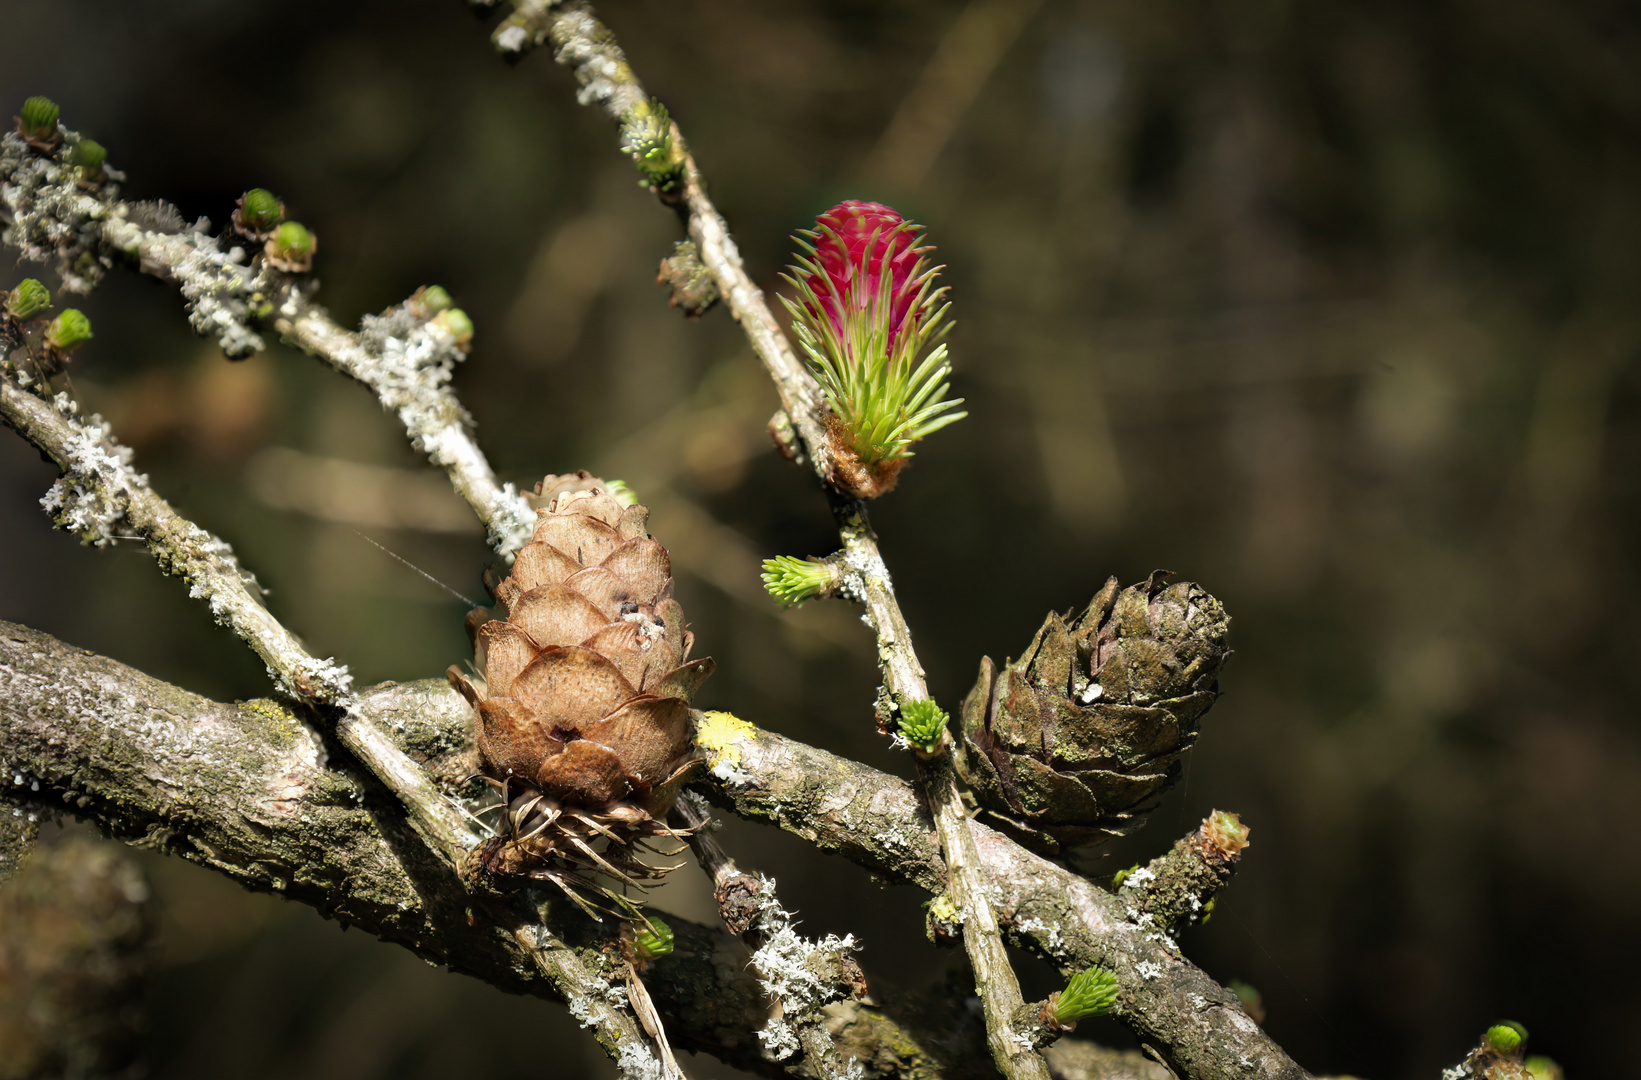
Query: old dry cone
582,700
1070,744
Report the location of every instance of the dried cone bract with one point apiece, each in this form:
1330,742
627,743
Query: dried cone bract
582,705
1071,743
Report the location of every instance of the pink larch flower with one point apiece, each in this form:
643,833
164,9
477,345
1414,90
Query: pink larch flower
867,308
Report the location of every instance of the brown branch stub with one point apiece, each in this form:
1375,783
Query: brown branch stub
1177,888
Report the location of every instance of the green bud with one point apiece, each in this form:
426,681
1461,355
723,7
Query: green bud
1091,992
621,492
792,581
923,723
294,239
652,941
1506,1037
1208,910
646,134
456,323
39,119
260,209
1540,1067
1121,876
1246,993
433,298
28,299
88,156
69,330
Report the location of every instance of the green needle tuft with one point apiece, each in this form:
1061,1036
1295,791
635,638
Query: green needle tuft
923,724
1091,992
69,330
28,299
652,941
38,120
791,581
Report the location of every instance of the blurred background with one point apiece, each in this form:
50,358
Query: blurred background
1331,307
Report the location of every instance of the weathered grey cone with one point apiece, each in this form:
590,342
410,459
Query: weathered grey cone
1069,745
582,701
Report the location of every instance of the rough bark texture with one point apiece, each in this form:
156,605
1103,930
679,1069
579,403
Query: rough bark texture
254,791
877,820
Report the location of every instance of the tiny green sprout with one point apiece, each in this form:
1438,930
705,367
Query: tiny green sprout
260,210
652,941
1121,876
792,581
646,134
69,330
1506,1037
1208,910
434,298
291,248
454,321
1540,1067
88,156
1091,992
1245,992
38,121
621,492
28,299
923,723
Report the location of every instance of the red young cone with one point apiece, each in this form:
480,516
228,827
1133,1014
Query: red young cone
867,309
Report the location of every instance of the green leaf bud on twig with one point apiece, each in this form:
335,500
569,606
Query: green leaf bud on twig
1253,1002
621,492
37,123
454,321
433,299
1091,992
28,299
258,213
69,330
1540,1067
88,156
1506,1037
646,134
923,724
1121,876
652,941
291,248
792,581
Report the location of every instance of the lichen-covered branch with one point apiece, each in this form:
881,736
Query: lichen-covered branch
1178,887
100,497
253,791
53,216
581,42
1191,1023
799,976
99,493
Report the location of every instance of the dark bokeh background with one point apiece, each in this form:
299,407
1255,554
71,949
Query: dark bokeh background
1329,306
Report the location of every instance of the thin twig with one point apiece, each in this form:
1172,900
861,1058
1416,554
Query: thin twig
231,293
100,496
789,966
585,45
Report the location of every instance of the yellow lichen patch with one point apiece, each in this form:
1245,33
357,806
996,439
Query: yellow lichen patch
942,908
719,734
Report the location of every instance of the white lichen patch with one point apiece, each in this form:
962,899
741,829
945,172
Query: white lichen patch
1148,970
1139,877
791,969
92,496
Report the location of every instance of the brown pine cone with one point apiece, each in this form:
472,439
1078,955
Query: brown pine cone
1069,745
582,700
